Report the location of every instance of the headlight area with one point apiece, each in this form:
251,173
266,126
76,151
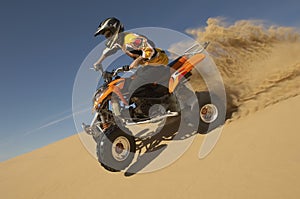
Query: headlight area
96,100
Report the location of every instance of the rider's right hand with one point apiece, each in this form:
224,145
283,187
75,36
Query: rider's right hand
97,66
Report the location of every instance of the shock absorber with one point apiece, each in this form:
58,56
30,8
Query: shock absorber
104,124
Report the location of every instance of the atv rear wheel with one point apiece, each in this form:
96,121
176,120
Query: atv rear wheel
115,149
212,111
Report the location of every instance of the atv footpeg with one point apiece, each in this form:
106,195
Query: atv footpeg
154,119
91,130
87,128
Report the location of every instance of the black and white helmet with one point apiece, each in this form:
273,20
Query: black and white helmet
109,27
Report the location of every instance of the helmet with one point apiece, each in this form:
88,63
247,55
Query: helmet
109,27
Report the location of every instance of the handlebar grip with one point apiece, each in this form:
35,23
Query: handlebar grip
126,68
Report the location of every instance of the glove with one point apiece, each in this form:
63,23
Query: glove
98,66
126,68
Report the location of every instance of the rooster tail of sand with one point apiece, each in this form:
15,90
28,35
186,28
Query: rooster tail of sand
259,63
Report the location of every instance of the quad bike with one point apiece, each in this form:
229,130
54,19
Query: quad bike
115,111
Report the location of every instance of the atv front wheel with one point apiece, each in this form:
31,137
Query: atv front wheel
212,111
115,149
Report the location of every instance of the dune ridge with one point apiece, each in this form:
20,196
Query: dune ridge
259,63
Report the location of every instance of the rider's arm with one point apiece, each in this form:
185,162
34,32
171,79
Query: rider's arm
106,52
136,62
100,60
138,45
148,52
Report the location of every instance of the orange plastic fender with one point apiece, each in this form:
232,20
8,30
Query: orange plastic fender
114,86
184,69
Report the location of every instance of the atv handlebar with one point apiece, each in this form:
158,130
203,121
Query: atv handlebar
109,75
121,69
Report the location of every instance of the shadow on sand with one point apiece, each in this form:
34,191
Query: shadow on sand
151,144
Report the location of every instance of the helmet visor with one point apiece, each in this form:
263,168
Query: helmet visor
100,31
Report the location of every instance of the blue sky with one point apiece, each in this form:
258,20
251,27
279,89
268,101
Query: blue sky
43,44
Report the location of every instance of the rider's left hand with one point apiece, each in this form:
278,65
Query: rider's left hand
126,68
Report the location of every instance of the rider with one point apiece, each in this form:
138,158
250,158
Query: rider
143,51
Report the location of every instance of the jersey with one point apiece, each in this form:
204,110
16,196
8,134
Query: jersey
135,45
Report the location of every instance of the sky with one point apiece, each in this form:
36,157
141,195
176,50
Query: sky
43,44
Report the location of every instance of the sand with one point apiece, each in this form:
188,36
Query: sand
257,155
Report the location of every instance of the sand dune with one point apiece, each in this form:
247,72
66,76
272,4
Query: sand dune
257,155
